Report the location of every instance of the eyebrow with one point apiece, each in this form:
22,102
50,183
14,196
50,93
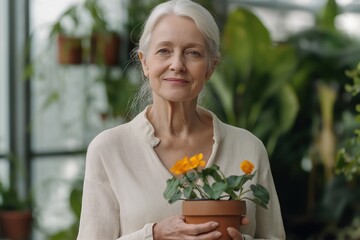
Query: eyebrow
168,43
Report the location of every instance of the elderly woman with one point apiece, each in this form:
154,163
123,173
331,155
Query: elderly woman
127,166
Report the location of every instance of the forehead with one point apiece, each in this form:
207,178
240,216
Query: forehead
177,29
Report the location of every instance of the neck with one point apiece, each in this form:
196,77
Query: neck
174,119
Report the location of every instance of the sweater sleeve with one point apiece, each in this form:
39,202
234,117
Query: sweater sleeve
145,233
100,210
269,222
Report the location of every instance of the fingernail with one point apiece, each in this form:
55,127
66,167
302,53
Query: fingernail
214,224
217,234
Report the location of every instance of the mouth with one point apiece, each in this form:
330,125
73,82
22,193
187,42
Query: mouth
176,80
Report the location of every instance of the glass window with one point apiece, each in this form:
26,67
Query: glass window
67,100
53,179
58,126
4,134
4,171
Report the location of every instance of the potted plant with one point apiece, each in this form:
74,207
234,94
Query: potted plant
204,189
15,215
84,24
69,44
104,41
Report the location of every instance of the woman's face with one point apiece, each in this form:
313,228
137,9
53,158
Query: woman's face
177,61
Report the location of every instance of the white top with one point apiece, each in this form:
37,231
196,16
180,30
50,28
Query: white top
125,180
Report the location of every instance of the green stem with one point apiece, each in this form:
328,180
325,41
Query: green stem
242,193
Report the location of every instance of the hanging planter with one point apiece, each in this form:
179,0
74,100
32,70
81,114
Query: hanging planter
69,50
105,48
227,213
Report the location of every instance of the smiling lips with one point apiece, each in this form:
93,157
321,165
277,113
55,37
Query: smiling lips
176,80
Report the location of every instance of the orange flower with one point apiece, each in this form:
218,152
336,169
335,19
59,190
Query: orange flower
184,165
197,160
247,167
181,166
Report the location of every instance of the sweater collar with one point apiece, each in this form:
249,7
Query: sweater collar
147,131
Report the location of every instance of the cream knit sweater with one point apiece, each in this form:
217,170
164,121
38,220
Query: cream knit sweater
124,182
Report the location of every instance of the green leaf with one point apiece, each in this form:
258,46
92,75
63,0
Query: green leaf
213,172
191,176
175,197
75,201
219,188
188,191
224,93
234,181
53,97
171,188
209,191
260,193
232,194
259,203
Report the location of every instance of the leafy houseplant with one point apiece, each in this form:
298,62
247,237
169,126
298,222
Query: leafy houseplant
104,42
196,184
205,189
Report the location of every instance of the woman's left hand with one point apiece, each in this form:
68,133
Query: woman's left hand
234,233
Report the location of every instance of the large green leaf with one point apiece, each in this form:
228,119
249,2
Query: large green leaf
252,83
244,39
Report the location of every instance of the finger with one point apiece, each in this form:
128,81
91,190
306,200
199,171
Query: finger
196,229
245,220
205,236
234,234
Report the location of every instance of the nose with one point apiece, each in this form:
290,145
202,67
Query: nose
177,64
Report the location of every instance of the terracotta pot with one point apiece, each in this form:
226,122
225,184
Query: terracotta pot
15,225
227,213
105,48
69,50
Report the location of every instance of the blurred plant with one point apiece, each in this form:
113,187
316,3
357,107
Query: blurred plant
75,198
348,158
288,94
252,83
10,199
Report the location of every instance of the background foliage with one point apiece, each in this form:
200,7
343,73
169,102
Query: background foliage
292,96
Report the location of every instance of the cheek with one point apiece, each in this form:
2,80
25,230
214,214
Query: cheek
156,68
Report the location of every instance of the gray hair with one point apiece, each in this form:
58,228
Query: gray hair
186,8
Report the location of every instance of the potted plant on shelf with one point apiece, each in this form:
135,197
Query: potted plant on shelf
84,25
205,189
69,43
104,41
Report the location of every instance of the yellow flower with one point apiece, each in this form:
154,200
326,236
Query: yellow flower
184,165
181,166
197,160
247,167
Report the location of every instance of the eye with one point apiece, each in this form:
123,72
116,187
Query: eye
193,53
163,51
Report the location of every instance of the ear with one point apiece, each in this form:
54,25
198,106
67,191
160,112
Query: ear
143,64
211,69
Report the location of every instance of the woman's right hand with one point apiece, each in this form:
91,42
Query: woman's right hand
175,228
